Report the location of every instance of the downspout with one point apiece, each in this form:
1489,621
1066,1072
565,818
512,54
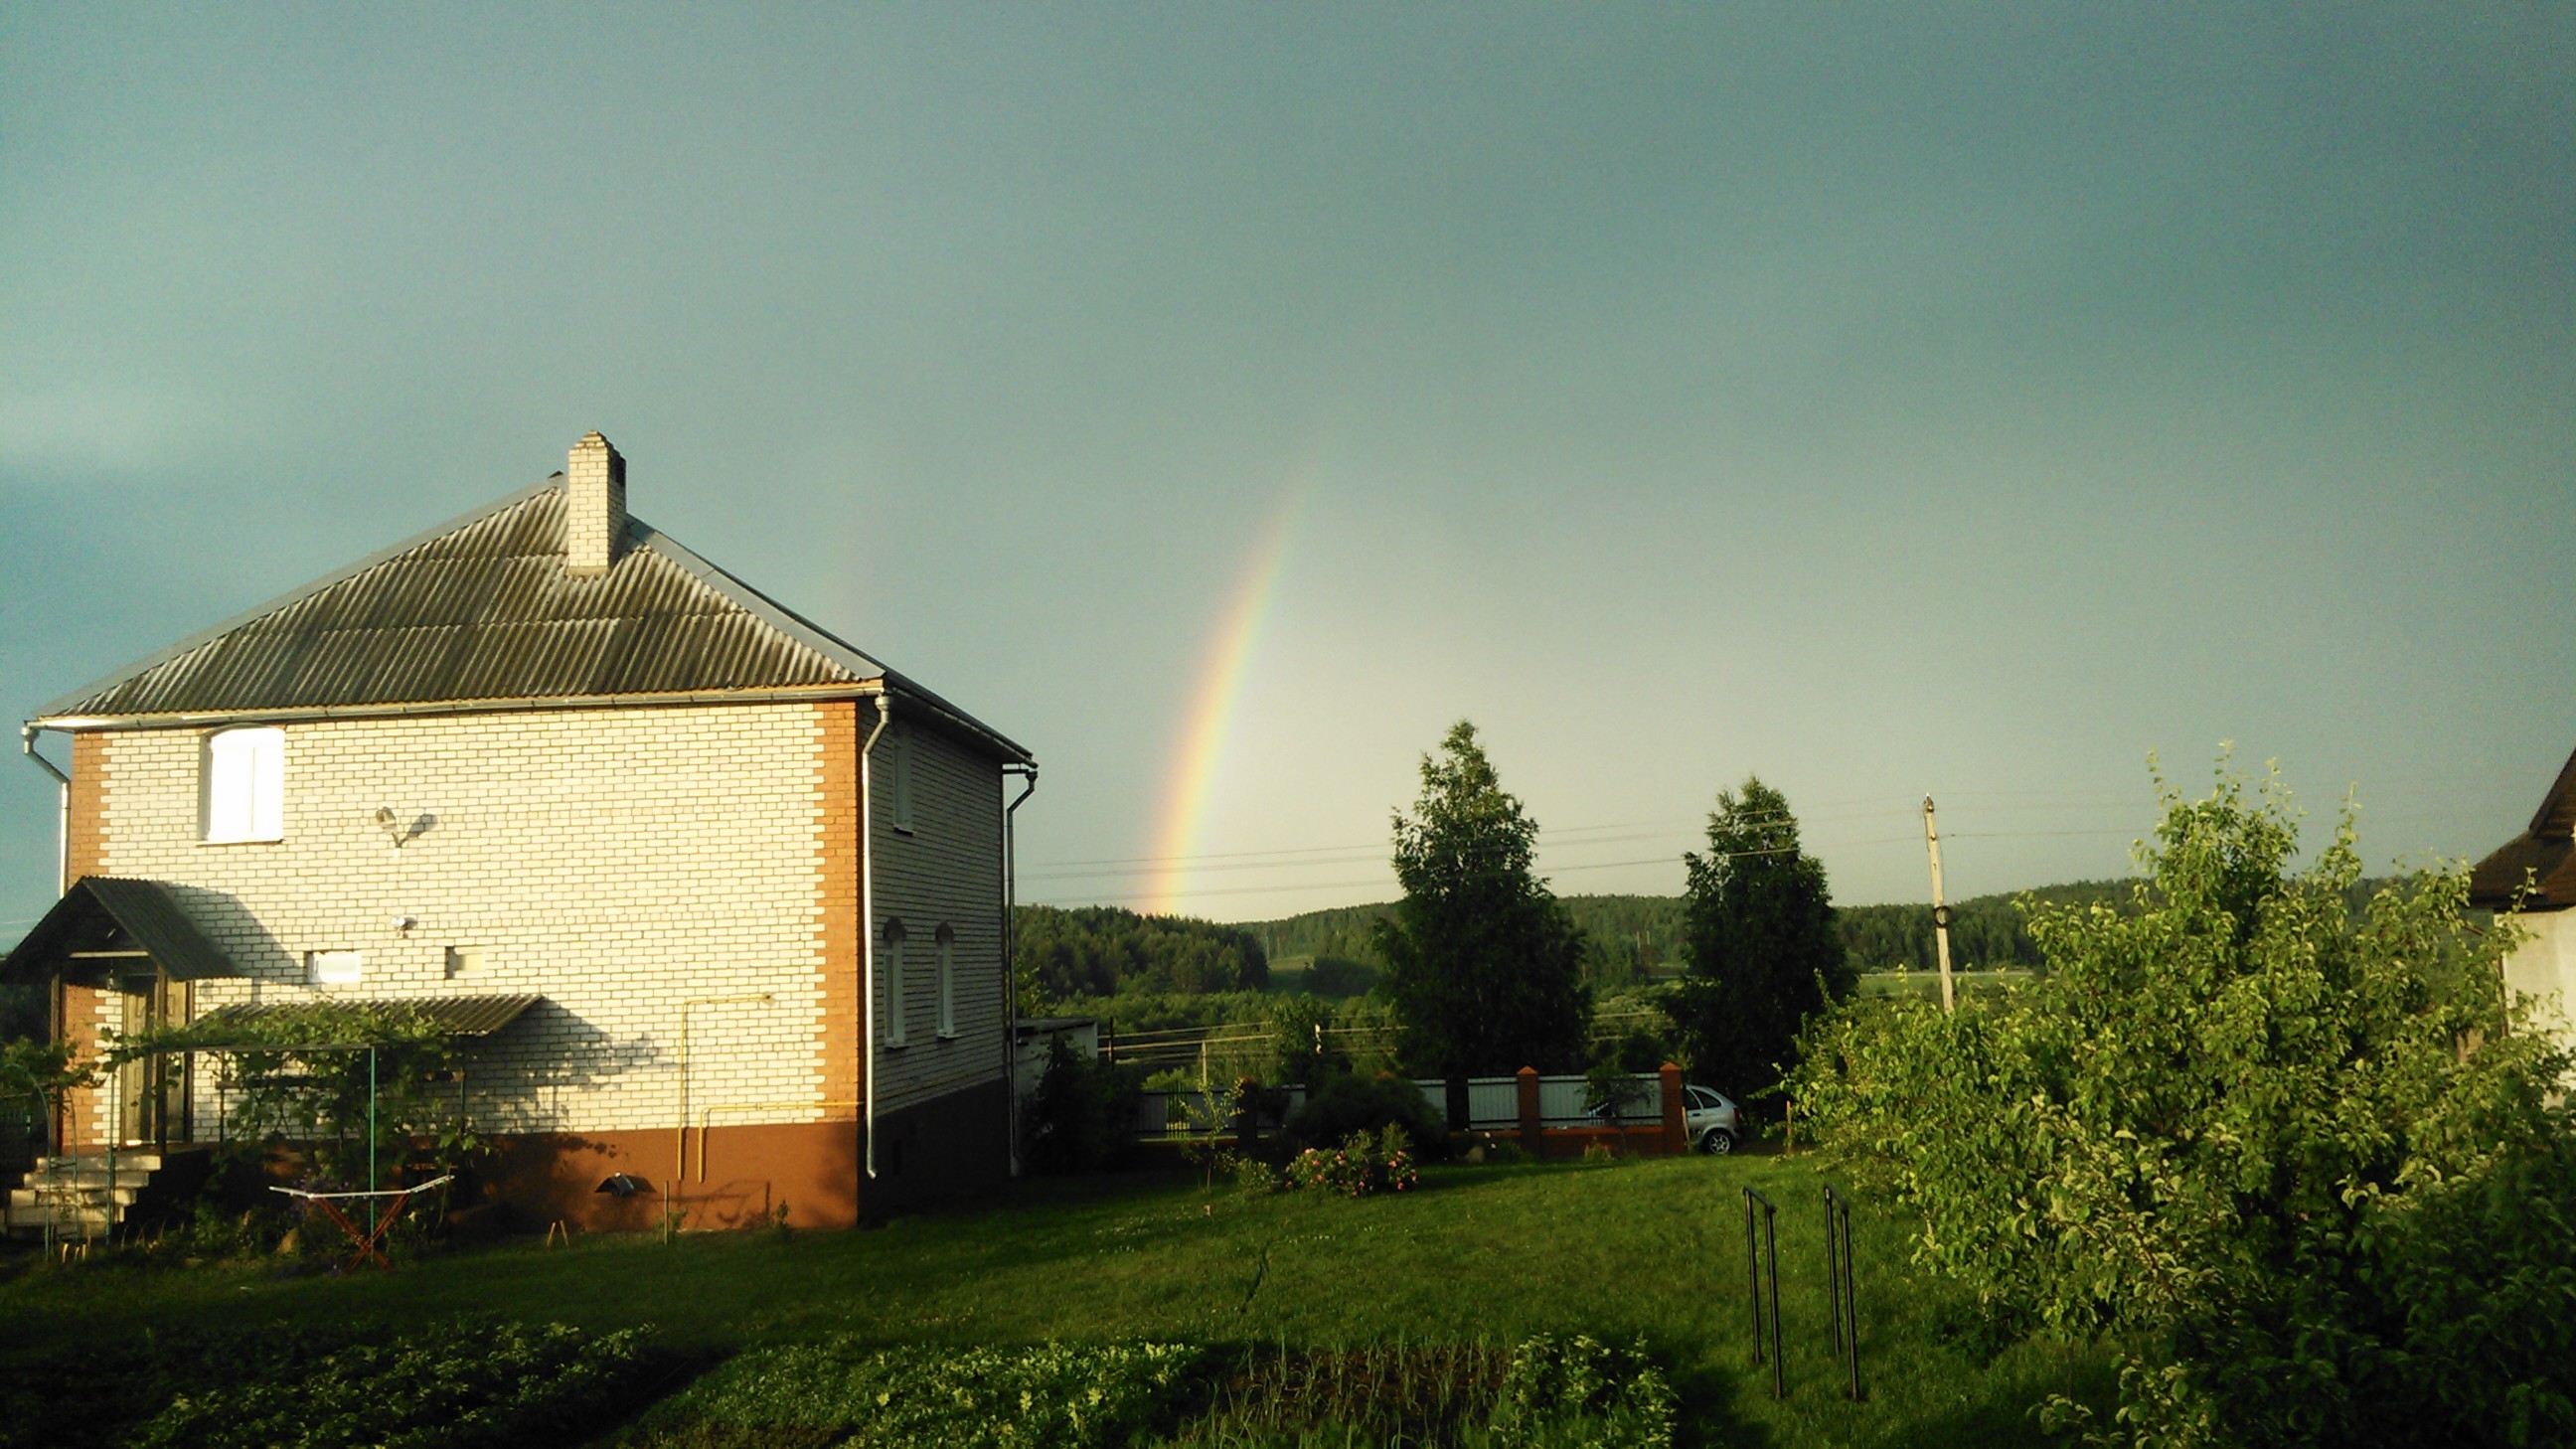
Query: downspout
62,810
1011,955
868,928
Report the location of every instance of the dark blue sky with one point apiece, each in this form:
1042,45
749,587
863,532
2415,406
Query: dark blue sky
1887,402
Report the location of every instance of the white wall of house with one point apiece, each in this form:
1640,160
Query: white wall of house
618,862
944,871
2545,966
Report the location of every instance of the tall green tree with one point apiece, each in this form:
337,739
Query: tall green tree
1760,946
1484,967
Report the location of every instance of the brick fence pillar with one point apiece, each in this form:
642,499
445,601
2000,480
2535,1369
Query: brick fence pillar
1676,1134
1531,1123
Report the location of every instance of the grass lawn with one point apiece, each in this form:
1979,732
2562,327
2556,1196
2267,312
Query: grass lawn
1480,1255
1928,983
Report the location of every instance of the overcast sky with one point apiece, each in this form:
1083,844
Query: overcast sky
1886,402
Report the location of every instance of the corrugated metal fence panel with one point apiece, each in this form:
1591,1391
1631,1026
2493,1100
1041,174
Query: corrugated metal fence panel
1492,1102
1560,1102
1166,1113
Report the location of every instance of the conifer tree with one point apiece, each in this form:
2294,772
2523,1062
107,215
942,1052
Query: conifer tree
1760,944
1484,966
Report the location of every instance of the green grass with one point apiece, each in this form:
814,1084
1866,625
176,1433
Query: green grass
1482,1256
1928,983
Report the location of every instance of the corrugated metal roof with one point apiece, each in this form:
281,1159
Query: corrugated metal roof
2549,865
110,913
2544,856
454,1015
482,610
2556,817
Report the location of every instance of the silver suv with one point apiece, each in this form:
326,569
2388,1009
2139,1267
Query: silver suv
1708,1119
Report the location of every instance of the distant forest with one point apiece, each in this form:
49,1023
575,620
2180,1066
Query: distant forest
1640,937
1103,950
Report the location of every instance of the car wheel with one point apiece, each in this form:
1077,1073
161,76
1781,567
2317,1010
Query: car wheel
1718,1142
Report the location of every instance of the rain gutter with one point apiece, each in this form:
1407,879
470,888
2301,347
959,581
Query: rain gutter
1010,954
62,806
868,923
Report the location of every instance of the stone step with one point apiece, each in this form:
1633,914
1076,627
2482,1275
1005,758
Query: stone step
68,1178
66,1220
23,1198
139,1163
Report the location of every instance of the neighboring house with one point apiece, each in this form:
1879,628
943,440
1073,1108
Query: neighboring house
2534,874
704,891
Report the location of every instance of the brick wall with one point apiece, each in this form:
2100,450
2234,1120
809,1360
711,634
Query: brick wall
617,861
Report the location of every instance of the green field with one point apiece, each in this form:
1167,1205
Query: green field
1928,983
1479,1256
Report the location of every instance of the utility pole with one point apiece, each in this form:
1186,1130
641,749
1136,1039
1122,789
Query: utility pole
1940,911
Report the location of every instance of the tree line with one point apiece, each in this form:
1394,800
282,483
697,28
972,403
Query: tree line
1637,937
1105,950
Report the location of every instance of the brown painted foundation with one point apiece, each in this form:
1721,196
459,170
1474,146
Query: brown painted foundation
742,1176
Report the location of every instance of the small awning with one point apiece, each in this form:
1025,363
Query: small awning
105,927
453,1015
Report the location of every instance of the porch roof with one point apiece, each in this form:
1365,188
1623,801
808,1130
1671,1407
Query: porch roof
102,920
453,1015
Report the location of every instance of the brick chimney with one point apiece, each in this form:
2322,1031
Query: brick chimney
595,507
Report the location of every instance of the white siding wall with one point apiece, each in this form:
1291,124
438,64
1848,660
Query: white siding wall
616,861
947,870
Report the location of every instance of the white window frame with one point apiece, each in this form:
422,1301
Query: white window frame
899,778
482,961
946,955
242,786
895,1026
334,968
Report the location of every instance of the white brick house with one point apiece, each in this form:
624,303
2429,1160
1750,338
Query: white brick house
724,897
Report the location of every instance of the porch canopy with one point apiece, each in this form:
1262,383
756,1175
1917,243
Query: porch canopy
107,929
239,1027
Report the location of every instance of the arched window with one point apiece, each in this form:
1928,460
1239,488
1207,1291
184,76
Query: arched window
946,937
244,785
893,978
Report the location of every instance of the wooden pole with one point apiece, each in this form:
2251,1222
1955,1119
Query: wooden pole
1940,910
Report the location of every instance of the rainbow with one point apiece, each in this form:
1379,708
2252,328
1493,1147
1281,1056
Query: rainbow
1210,717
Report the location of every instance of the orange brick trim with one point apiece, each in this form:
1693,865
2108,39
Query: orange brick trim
85,841
836,827
1676,1128
76,1007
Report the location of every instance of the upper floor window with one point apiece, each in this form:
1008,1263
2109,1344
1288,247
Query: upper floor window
892,961
899,777
333,968
946,939
245,785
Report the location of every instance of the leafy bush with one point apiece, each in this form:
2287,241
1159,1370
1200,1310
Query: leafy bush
1612,1398
470,1384
288,1076
2305,1160
1054,1394
1360,1166
1350,1103
1079,1117
1252,1176
1614,1092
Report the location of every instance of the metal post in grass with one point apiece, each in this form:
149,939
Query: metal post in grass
1840,1285
1755,1260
